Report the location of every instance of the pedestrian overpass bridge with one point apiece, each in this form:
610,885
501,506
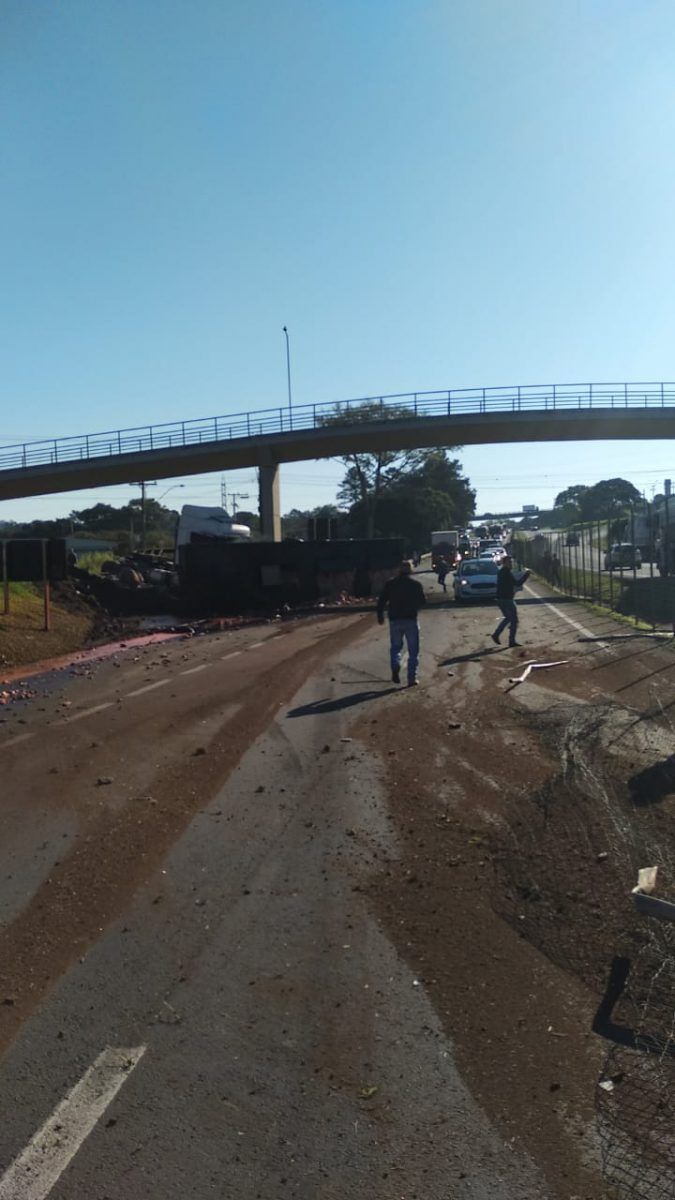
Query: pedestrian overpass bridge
268,437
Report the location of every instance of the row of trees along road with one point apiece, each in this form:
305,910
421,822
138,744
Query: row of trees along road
596,501
104,520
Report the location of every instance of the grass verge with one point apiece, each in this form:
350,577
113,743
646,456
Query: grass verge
23,638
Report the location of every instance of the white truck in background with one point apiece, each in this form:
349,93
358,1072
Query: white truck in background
444,544
199,524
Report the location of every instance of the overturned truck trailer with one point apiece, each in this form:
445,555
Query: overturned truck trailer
224,577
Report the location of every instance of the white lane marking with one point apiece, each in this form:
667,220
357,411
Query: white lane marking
20,737
570,620
34,1172
88,712
232,655
255,645
148,687
193,670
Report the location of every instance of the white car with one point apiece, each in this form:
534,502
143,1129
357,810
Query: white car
476,579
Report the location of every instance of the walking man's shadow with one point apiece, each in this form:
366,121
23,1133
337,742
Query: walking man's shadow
334,705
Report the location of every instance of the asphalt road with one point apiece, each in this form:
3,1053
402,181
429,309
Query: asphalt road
187,831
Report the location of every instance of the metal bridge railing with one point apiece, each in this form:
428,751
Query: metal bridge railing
271,421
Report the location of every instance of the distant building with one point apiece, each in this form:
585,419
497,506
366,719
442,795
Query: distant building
90,545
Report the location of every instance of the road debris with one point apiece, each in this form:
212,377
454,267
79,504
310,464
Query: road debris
538,666
625,637
645,902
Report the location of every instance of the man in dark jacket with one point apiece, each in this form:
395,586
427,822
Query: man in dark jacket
506,590
403,597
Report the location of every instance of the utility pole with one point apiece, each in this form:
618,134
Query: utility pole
142,485
238,496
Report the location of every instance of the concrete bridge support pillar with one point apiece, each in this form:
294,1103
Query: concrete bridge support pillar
270,503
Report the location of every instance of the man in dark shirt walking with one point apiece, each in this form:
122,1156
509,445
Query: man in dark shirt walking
506,590
403,597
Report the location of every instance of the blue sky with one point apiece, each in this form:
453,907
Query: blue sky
428,194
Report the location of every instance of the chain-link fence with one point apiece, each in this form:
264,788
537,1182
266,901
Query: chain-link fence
626,564
565,861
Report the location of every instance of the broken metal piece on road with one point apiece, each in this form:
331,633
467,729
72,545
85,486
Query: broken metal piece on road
645,902
624,637
538,666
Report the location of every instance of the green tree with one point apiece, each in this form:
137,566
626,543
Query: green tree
608,498
371,474
412,514
433,495
98,519
295,523
571,496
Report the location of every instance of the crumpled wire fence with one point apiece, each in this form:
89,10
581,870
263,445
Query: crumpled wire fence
565,864
635,1100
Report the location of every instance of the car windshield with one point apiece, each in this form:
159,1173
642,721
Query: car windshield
485,567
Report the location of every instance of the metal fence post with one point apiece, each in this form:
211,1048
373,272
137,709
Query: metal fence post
46,588
611,573
632,541
599,559
5,579
665,541
650,531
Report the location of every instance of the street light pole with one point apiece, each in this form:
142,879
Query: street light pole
173,488
288,372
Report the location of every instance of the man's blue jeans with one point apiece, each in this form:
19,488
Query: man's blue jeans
509,611
410,630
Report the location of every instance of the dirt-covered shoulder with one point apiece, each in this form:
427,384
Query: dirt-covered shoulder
75,622
523,815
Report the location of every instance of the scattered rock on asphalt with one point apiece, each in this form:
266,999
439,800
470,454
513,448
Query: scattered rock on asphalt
103,780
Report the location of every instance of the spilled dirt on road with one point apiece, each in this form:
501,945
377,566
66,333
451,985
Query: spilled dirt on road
120,843
521,819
